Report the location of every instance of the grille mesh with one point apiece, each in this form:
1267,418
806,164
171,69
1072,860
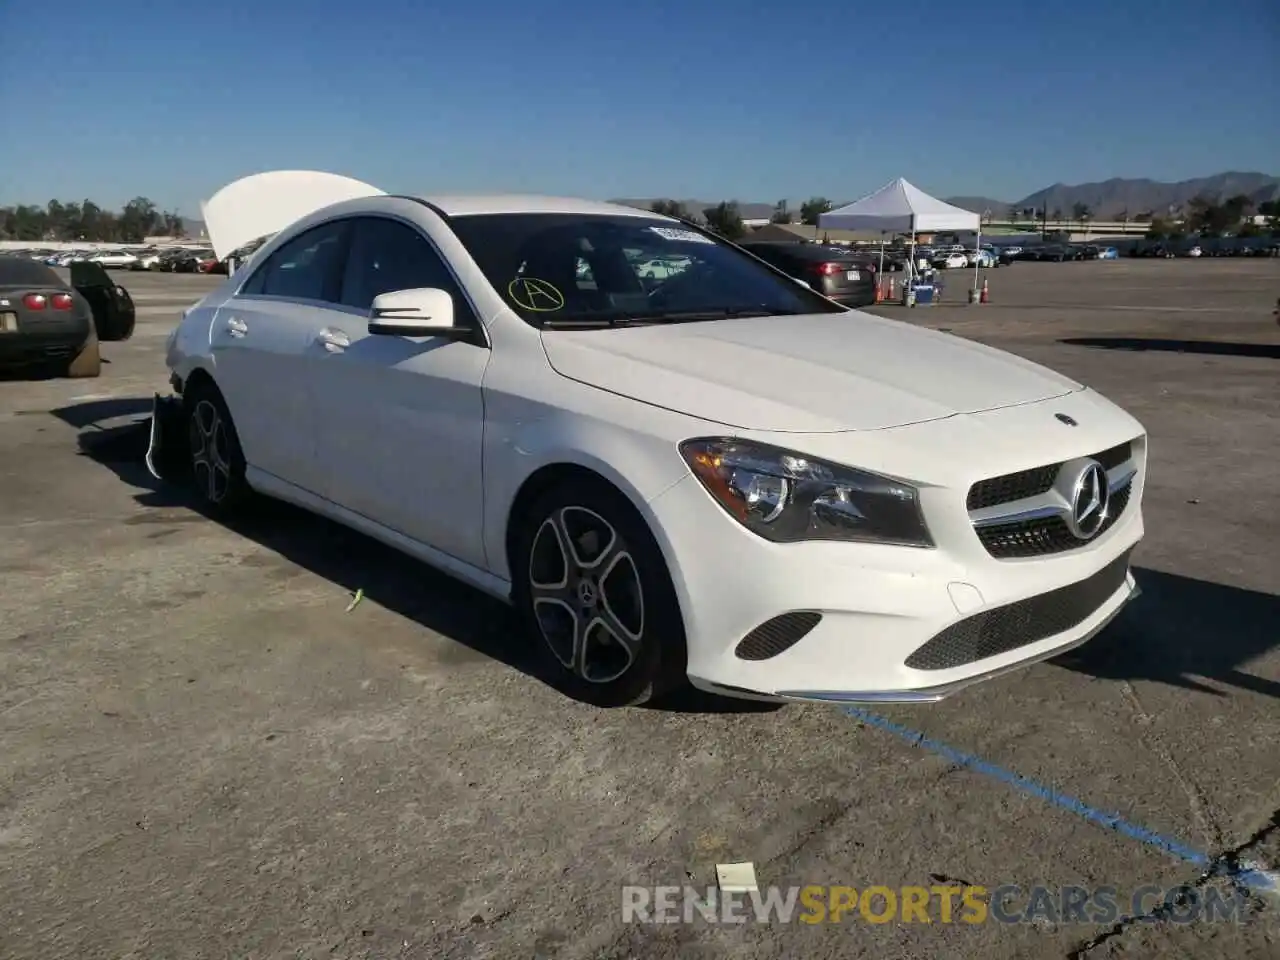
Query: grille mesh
1045,535
1015,625
774,636
1031,483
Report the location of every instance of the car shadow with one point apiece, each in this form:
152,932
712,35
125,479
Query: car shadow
344,557
1183,632
1221,348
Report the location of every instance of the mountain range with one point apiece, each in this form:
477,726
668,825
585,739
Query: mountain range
1105,200
1112,198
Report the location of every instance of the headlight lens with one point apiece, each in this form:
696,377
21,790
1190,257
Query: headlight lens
787,497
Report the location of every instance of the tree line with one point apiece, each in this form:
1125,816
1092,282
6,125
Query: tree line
71,221
1202,215
725,218
140,218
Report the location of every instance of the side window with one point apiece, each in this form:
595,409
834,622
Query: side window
388,255
308,267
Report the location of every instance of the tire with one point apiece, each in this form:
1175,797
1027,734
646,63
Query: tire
217,463
578,542
88,362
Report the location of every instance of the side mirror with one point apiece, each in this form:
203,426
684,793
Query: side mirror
422,312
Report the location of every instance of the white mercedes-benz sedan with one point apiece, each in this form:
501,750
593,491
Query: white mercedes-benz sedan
708,473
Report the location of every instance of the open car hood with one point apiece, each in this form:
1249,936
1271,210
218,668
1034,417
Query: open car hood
266,203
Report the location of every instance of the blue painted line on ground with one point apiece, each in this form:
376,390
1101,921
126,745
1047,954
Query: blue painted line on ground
1108,821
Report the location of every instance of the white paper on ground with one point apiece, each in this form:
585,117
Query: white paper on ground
736,877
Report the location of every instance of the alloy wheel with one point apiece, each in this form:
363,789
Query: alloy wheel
210,457
587,598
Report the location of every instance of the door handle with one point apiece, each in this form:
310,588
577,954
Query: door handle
237,328
335,341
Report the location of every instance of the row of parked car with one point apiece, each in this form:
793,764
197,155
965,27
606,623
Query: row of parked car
954,257
1208,247
165,259
1063,252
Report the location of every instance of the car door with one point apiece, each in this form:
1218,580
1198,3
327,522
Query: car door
261,340
400,419
114,314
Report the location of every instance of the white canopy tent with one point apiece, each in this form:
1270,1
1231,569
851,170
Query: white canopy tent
901,207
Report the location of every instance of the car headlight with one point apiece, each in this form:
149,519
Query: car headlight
787,497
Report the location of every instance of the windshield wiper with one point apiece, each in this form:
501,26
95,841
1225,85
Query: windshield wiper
653,319
695,316
589,323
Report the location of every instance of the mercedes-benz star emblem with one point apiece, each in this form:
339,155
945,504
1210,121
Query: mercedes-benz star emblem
1069,421
1090,501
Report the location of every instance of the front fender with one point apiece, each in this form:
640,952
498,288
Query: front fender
634,449
188,347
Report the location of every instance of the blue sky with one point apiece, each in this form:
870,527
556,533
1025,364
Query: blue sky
701,98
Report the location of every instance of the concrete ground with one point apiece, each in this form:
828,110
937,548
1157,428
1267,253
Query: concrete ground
203,755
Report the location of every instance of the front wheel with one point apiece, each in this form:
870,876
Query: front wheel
593,588
217,463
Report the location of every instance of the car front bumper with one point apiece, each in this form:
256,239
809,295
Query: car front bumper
848,622
863,297
167,449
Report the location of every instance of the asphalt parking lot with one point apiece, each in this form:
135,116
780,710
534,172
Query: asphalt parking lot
203,754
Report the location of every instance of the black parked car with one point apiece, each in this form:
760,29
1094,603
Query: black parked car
841,276
1054,252
169,259
49,324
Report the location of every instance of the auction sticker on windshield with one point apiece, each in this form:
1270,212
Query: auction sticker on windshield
685,236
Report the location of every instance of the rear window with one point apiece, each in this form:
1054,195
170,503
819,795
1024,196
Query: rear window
22,272
568,268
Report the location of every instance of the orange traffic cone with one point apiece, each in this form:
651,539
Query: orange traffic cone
879,291
985,296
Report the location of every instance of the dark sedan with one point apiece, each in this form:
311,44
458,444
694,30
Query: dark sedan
841,276
48,324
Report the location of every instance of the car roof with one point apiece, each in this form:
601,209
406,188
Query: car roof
464,205
22,272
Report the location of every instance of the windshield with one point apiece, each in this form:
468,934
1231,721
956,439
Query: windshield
575,269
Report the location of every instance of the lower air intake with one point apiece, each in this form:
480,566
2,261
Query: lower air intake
1014,625
774,636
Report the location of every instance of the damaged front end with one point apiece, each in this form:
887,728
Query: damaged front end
169,450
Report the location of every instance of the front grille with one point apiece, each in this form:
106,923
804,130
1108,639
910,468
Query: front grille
1015,625
1045,535
1012,486
1033,482
774,636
